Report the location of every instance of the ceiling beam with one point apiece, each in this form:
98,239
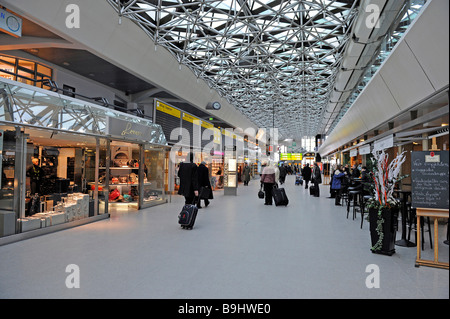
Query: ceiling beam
28,42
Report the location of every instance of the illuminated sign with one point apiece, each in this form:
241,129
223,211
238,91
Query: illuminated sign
11,24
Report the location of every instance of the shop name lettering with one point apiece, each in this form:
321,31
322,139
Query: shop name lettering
225,309
129,131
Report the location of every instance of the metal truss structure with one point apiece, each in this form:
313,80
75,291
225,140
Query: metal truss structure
275,60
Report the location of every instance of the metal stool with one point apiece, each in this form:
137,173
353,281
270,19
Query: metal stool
353,194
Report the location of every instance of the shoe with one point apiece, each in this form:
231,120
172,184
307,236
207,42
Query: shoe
199,207
338,204
206,205
267,204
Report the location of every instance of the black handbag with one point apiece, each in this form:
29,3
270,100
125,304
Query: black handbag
261,193
205,193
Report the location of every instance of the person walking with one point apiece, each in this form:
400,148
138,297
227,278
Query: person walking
306,173
268,180
282,174
204,185
246,173
336,185
188,179
316,179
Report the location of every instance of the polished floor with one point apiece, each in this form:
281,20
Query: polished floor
239,248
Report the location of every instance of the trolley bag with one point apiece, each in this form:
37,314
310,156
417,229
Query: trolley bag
187,216
314,191
279,196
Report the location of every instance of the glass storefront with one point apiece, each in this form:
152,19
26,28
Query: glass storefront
25,71
64,161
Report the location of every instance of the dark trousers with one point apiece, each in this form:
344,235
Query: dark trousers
191,199
317,193
268,191
306,183
337,199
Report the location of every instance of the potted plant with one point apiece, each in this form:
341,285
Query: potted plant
383,208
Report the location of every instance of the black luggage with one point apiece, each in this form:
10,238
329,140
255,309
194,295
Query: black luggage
314,191
187,216
279,196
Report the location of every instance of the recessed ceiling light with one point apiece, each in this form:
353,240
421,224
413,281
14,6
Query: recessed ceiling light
66,63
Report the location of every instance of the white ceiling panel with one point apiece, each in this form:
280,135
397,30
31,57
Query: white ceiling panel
406,80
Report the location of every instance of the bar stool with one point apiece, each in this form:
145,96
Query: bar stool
352,199
413,226
344,194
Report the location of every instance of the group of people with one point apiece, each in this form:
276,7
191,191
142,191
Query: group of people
341,179
272,174
194,182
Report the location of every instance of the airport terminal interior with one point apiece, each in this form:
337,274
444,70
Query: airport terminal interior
224,149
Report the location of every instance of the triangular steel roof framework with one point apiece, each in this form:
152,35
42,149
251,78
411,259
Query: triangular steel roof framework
265,57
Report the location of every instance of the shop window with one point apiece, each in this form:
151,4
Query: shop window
124,179
7,169
25,71
8,152
154,176
60,169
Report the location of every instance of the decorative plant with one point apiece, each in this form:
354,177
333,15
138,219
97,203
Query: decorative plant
385,176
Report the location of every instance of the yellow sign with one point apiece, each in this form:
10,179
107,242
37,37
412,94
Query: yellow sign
217,136
291,156
191,119
160,106
207,125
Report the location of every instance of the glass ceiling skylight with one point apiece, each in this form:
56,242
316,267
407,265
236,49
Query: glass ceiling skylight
258,54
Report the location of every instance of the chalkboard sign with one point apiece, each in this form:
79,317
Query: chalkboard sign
429,177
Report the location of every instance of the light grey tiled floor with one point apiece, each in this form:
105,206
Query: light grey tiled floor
239,248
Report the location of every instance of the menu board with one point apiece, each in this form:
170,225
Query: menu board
429,179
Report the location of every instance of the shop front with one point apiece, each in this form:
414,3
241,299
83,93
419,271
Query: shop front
67,162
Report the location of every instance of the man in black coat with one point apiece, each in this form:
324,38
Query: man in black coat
306,172
204,185
188,179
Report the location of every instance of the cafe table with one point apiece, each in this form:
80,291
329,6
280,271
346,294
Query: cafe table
404,199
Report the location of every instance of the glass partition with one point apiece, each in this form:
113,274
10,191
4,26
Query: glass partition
154,176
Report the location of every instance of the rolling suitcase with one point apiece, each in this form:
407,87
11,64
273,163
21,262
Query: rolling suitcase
314,191
279,196
187,216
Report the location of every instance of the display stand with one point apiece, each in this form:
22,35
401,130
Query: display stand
230,181
435,213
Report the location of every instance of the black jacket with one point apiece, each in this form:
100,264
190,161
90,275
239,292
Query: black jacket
316,175
306,173
203,178
188,179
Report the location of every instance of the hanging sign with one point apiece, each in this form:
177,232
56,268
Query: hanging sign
10,24
384,143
